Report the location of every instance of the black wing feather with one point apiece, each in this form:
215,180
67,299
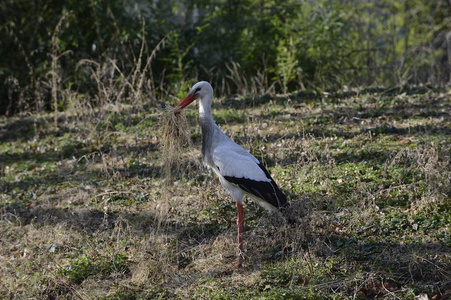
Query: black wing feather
266,190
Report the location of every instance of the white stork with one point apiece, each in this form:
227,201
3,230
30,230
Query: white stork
239,172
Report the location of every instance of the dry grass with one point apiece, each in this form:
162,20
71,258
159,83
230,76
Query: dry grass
84,214
175,136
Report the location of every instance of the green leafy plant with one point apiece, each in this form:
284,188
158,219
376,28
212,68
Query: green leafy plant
86,266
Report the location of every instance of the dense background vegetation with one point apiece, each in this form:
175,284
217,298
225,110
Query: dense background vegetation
56,52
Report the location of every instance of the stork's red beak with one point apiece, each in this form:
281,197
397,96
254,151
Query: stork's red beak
188,99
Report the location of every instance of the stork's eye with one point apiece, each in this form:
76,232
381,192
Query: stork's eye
196,90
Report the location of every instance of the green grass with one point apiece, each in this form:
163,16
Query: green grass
84,212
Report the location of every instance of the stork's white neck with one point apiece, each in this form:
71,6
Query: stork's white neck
208,127
205,106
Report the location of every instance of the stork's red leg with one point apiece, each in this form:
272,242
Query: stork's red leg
240,223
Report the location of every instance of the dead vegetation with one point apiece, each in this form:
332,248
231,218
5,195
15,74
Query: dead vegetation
175,136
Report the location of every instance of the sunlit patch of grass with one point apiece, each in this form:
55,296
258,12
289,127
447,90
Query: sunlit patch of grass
229,116
85,266
434,221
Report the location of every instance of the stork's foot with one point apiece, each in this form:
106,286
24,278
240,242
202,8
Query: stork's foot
239,264
240,258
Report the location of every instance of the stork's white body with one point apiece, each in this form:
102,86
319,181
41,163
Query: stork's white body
228,159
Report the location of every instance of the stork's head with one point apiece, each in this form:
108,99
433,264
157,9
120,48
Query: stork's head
199,90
